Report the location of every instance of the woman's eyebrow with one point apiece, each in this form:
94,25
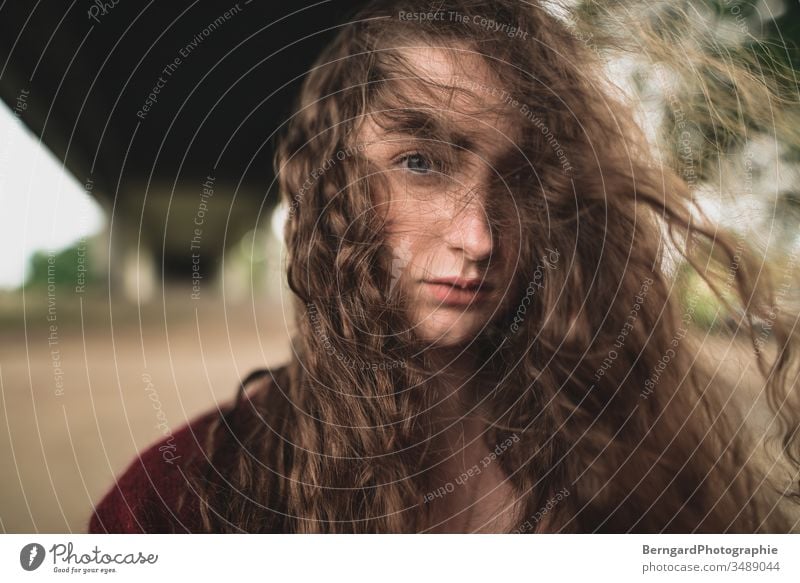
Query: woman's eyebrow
420,123
426,125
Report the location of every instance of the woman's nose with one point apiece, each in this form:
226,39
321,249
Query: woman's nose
469,230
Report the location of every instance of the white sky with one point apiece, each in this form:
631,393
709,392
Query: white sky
42,206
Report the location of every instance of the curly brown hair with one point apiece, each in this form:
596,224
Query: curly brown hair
608,405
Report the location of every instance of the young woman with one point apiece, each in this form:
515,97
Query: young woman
489,335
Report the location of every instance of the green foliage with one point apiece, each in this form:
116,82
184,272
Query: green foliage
708,312
69,267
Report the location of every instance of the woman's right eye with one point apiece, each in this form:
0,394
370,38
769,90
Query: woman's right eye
418,163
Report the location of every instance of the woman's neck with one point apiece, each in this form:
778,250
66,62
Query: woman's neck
458,424
453,370
474,495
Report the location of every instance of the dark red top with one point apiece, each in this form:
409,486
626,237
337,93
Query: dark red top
145,497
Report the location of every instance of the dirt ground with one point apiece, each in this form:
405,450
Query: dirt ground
78,401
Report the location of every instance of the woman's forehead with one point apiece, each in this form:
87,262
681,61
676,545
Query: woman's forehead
451,95
476,86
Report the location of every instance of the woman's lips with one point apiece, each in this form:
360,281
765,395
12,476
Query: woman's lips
458,291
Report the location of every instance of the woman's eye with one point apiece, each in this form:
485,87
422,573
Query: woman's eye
417,163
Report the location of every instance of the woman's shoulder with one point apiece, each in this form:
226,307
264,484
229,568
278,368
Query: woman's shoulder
146,495
154,494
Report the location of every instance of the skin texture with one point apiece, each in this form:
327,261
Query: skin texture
438,225
437,220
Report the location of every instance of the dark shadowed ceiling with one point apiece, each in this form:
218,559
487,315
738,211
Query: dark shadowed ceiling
86,69
81,75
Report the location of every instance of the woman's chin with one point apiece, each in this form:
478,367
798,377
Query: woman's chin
456,334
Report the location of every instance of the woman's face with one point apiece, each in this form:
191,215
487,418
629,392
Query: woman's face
440,164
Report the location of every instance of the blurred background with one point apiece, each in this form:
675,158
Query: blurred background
141,233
